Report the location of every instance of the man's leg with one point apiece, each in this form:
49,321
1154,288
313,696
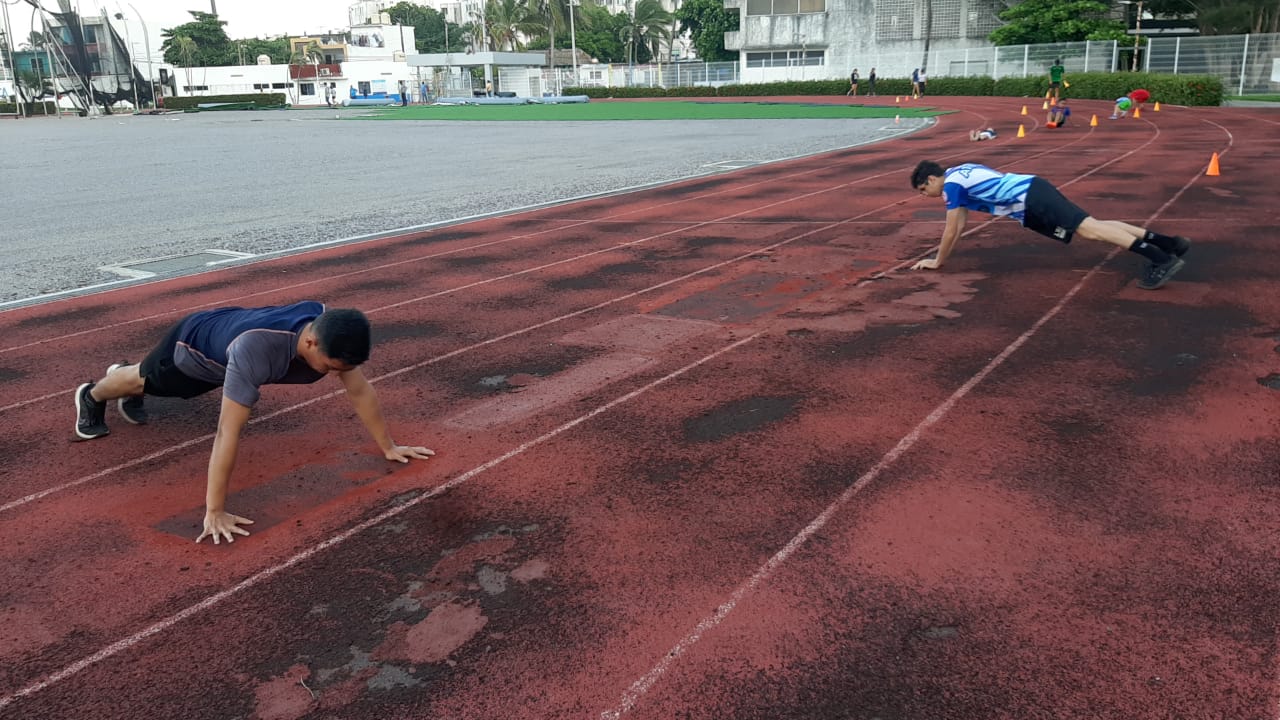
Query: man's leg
1164,252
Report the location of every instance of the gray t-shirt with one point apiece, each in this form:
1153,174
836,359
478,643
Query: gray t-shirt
245,348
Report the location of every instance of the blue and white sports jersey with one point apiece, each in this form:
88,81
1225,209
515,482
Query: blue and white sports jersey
978,187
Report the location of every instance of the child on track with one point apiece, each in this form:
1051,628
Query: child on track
1132,101
1058,115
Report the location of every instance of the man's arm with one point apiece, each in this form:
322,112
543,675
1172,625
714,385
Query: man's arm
956,219
218,523
365,401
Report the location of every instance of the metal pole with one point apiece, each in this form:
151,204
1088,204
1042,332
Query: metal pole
1087,44
13,69
53,75
1026,59
1244,61
1137,36
1177,52
146,42
573,42
129,39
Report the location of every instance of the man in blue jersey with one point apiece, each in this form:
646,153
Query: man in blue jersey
239,350
1039,206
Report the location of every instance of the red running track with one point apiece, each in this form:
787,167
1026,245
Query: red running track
705,451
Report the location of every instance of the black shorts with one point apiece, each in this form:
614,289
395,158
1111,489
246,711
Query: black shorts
1054,85
161,378
1050,213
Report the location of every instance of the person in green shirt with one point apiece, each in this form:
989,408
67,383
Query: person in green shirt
1055,80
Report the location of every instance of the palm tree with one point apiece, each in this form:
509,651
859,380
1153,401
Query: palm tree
185,48
648,26
508,20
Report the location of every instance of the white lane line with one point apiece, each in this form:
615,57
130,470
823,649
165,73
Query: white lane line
165,451
640,687
269,572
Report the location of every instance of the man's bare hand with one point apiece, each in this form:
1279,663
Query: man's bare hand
927,264
220,525
404,453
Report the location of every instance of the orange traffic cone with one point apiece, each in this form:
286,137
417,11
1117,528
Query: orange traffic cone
1022,131
1157,108
1053,102
1213,166
1094,121
898,99
1045,106
1137,113
1024,109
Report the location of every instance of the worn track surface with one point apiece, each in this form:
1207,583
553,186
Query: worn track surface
705,451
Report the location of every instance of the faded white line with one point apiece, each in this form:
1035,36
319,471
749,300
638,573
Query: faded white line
640,687
257,578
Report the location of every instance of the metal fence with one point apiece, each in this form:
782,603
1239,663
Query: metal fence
1243,62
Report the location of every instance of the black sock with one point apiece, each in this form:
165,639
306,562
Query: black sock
1164,242
1149,251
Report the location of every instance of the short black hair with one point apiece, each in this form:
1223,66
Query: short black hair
925,170
343,335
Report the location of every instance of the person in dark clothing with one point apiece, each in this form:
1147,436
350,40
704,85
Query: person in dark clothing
239,350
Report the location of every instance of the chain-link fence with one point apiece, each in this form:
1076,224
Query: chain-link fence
1244,62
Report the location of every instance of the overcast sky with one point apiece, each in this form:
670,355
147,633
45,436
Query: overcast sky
244,18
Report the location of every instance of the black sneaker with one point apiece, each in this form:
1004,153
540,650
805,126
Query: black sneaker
1180,245
131,408
1155,276
90,414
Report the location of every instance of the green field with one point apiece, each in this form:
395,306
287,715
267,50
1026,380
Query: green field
660,110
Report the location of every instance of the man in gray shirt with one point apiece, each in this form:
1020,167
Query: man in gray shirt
239,350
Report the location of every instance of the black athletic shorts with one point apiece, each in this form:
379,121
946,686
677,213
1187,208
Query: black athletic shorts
1050,213
162,379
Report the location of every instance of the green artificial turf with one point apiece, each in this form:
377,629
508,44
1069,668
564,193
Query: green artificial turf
660,110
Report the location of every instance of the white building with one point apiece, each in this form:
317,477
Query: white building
827,38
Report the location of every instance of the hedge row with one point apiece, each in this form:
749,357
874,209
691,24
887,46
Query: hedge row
263,100
1173,89
48,107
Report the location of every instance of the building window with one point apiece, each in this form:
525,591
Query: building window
307,88
785,7
365,88
786,58
279,86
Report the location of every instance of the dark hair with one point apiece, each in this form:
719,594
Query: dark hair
343,335
925,170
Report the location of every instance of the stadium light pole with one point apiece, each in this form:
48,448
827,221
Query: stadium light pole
146,44
573,42
132,77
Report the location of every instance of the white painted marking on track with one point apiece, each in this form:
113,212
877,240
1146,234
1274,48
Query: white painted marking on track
266,573
640,687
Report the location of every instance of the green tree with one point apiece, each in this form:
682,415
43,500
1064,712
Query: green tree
645,29
707,21
429,28
213,47
1034,22
600,33
508,21
248,50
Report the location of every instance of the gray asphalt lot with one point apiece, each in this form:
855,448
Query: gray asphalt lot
81,194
